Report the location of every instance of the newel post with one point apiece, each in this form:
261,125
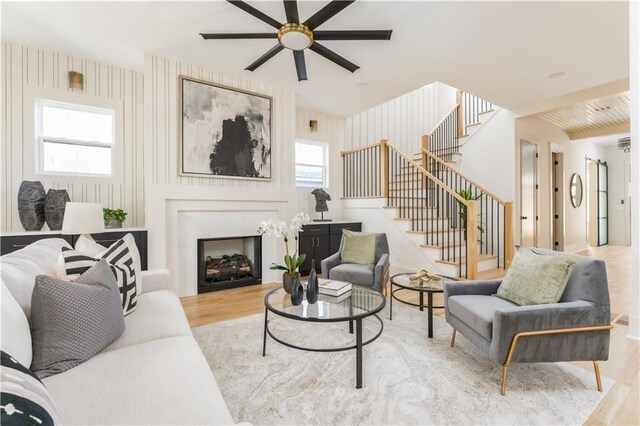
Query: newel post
384,166
509,246
472,239
460,123
425,147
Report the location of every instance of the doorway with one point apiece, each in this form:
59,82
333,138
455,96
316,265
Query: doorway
557,200
528,194
598,205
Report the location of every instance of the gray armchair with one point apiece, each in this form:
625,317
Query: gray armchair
575,329
364,275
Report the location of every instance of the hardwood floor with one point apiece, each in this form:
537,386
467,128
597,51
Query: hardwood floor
621,406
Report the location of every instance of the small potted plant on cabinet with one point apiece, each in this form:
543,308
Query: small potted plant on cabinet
113,218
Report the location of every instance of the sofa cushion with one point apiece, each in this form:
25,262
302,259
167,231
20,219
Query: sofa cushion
167,381
353,273
477,311
20,268
73,321
159,315
16,335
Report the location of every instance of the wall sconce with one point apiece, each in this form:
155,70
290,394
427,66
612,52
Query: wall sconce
76,80
313,125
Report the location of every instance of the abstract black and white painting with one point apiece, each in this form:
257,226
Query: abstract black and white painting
225,132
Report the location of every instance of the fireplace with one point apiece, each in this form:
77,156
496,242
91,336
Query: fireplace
229,262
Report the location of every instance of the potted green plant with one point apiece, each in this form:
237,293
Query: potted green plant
113,218
467,194
291,262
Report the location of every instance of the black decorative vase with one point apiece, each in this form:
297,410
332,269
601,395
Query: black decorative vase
288,280
31,196
313,287
54,205
297,292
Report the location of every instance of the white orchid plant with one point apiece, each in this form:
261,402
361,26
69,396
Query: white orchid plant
281,229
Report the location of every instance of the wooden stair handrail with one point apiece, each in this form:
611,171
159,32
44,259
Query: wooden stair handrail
480,187
443,119
362,148
429,175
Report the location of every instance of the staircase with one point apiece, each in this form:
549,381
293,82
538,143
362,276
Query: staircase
464,228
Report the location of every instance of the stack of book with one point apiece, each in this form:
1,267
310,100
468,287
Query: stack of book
333,287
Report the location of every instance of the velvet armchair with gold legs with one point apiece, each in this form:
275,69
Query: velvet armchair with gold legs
577,328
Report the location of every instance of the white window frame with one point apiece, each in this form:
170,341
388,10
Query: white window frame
325,166
41,140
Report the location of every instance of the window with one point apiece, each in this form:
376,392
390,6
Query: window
311,164
74,139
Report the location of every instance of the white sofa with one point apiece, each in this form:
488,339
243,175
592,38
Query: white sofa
155,373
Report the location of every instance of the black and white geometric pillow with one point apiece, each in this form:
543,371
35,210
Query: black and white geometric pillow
24,400
121,263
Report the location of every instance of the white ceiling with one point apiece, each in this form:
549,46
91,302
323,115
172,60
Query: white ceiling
604,141
502,51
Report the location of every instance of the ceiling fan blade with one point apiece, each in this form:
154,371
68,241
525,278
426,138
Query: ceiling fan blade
326,13
256,13
264,58
333,57
237,36
353,35
301,67
291,10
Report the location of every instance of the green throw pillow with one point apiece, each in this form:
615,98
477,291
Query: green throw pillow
536,278
359,247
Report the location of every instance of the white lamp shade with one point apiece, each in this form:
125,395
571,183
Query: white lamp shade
83,218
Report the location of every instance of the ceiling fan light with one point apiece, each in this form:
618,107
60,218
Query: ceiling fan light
295,36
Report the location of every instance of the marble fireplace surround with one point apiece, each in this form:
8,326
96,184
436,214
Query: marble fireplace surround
177,216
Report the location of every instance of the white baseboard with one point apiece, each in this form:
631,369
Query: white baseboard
634,327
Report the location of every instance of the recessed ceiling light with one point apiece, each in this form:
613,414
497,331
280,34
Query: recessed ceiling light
557,74
362,84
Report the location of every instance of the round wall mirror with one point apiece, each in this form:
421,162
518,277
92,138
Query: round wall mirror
576,190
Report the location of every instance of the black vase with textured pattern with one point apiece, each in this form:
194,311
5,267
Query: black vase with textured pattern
54,205
31,196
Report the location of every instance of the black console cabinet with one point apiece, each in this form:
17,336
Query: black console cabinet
320,240
11,243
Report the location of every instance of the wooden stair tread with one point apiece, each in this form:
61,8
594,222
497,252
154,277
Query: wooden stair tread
481,257
440,246
422,218
435,231
413,207
492,274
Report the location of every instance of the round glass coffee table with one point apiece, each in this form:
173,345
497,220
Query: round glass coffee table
354,306
402,282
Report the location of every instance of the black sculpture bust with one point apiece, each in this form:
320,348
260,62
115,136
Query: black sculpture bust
321,203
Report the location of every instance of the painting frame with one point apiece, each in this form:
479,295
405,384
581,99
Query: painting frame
181,129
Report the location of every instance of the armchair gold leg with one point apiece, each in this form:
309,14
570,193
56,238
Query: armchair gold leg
596,367
453,337
503,384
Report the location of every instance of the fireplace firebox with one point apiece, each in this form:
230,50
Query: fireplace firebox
229,262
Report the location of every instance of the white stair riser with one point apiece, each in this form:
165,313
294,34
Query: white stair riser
452,270
407,225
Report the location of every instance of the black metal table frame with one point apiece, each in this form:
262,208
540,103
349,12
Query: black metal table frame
421,305
357,318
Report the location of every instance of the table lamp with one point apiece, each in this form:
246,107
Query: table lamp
83,218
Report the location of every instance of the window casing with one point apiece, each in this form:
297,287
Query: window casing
74,139
311,164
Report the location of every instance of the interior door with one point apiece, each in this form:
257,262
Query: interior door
557,209
528,194
603,204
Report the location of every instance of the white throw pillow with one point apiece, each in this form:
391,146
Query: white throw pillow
16,336
93,249
20,268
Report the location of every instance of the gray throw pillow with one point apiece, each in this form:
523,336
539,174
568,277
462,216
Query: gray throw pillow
71,321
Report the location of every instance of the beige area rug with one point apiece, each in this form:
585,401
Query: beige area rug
408,378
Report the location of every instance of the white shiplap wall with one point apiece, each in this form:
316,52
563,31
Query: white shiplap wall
402,120
28,73
161,131
331,131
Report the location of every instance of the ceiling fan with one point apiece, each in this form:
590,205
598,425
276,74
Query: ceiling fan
298,36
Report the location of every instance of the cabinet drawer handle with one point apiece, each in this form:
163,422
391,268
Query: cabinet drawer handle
105,241
318,240
20,245
313,242
314,230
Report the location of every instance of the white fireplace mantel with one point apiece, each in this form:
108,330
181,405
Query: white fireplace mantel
178,215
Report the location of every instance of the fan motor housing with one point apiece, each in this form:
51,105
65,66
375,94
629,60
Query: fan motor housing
295,36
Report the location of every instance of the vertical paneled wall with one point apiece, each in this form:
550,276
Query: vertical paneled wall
331,132
161,126
29,73
402,120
